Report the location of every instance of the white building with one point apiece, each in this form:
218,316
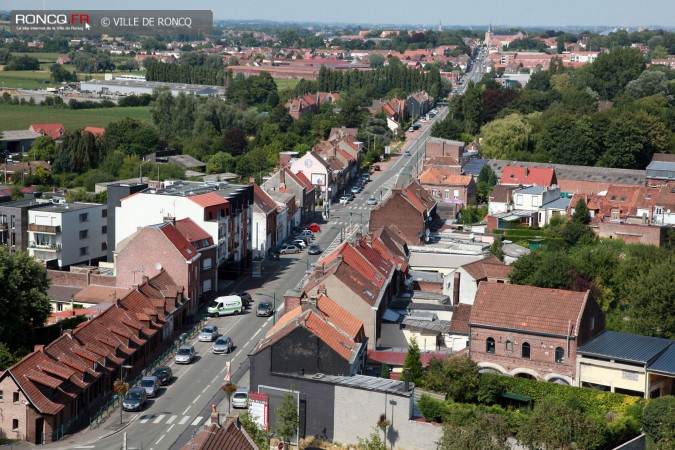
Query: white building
64,234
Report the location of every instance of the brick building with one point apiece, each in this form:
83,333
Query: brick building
299,185
444,147
448,189
531,332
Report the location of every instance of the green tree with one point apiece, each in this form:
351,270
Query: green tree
432,410
611,72
60,73
568,140
457,377
254,430
221,162
496,249
448,128
372,442
23,291
288,420
351,114
413,361
650,82
385,372
472,108
7,359
487,432
581,214
659,421
22,62
235,141
490,388
543,268
376,60
486,181
503,138
43,149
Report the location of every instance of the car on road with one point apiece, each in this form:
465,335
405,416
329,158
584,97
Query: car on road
365,177
313,227
344,200
355,190
164,374
135,399
306,233
264,309
208,334
222,345
185,354
245,297
240,398
371,200
226,305
411,129
151,385
314,249
406,153
300,243
306,239
288,248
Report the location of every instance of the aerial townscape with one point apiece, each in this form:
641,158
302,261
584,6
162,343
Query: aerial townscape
338,231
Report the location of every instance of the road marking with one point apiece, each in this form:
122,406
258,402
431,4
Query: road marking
171,427
214,379
85,446
159,418
171,419
183,373
256,333
268,320
146,418
204,390
237,353
186,410
160,438
197,398
183,420
196,421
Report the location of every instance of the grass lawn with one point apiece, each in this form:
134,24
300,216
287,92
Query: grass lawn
18,117
286,83
34,79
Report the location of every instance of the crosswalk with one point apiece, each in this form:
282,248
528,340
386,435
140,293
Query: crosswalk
171,418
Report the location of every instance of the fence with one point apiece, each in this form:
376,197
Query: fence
107,409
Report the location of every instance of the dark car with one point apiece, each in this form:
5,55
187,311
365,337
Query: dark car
314,249
376,168
246,298
135,399
265,309
164,374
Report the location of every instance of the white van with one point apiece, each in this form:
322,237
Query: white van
224,306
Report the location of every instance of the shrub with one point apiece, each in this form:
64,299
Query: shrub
659,419
461,414
433,410
489,389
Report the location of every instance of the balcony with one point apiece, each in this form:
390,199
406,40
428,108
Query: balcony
52,229
47,246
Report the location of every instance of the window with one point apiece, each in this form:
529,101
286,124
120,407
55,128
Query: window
104,246
2,395
535,201
84,234
509,345
434,192
84,251
490,345
559,355
525,352
15,397
12,221
15,424
104,213
84,217
519,199
206,286
623,198
455,194
592,323
207,264
613,198
615,215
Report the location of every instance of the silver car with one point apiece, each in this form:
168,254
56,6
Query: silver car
372,201
185,354
151,385
208,334
222,345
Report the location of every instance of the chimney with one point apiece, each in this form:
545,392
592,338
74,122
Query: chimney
455,288
292,300
282,178
39,348
144,279
407,380
170,219
215,416
321,290
369,239
251,179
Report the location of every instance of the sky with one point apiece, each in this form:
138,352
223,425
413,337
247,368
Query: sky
586,13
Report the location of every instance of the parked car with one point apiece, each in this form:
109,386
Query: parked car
245,297
288,248
186,353
222,345
300,243
240,398
307,233
344,200
208,334
376,168
355,190
265,309
371,200
306,239
406,153
314,249
224,306
365,177
164,374
135,399
411,129
151,385
313,227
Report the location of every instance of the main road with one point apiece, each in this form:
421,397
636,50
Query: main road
183,407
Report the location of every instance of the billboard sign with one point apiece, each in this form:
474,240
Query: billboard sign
258,409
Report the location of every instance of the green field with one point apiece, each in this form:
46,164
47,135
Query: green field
33,79
17,117
284,83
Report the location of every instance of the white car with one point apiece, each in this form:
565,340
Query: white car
288,248
372,200
344,200
300,243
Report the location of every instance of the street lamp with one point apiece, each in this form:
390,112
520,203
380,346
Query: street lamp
274,299
122,388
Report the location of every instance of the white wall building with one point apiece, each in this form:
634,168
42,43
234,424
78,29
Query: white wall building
64,234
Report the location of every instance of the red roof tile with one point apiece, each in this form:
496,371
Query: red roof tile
459,323
96,131
186,249
193,232
53,130
528,308
208,199
528,176
490,267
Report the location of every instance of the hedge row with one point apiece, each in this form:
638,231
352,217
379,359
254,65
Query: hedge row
589,400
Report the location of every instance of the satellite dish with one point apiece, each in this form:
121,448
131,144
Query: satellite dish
158,266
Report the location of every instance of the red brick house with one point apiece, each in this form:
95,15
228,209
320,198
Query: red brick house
531,332
447,188
309,103
444,147
53,130
203,243
408,211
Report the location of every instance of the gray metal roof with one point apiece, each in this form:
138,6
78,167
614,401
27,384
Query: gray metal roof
626,347
374,384
16,135
583,173
534,190
421,275
474,166
661,165
666,362
559,203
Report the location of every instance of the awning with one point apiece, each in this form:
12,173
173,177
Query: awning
518,397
